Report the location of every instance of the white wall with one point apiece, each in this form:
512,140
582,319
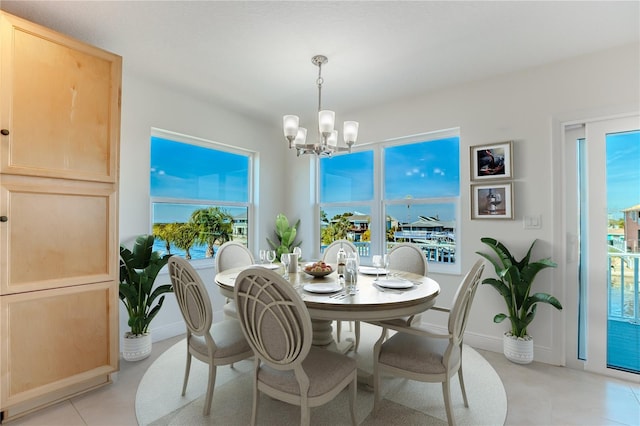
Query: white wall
146,105
521,107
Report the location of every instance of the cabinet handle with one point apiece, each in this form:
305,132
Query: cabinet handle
5,132
3,218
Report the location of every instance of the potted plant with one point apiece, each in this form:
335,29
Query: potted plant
139,268
286,236
514,282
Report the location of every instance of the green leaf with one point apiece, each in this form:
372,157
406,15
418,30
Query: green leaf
514,283
139,269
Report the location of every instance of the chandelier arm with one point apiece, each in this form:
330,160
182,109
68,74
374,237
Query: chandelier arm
327,143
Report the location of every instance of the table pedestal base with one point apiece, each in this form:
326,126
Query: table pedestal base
323,337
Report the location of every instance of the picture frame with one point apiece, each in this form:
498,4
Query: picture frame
492,201
492,161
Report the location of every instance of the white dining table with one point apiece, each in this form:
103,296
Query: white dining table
372,302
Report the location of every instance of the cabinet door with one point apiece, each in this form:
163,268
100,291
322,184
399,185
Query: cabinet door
59,104
57,233
53,340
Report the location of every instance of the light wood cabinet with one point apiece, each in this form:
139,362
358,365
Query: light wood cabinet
59,262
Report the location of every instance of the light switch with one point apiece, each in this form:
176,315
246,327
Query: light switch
532,222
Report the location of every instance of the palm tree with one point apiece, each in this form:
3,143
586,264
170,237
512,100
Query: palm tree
214,225
165,232
185,237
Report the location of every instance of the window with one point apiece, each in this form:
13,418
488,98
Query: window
200,194
395,191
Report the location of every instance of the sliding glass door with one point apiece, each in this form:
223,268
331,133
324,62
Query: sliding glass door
607,165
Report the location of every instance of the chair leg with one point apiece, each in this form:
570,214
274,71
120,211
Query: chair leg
305,413
376,388
357,336
338,330
210,386
254,407
464,392
186,373
377,394
446,391
352,399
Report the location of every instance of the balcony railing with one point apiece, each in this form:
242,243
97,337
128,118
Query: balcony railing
623,286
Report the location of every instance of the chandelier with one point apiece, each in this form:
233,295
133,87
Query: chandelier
327,143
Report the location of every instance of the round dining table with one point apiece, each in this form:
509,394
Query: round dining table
404,294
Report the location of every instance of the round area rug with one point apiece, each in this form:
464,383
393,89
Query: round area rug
405,402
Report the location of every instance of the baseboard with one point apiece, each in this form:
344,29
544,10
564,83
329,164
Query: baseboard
167,331
485,342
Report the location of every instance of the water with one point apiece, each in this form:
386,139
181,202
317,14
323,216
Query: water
197,251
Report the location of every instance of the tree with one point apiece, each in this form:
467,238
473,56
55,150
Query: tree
165,232
185,236
213,225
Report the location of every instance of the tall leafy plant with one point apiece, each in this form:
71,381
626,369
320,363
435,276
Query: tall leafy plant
138,271
514,282
286,235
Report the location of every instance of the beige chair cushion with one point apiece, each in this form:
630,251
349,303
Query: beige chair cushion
417,354
324,368
229,339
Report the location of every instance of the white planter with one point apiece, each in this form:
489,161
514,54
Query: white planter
518,349
136,347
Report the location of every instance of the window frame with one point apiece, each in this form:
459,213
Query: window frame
218,146
377,204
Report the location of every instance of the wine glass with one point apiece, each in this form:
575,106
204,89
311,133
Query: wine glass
377,261
285,259
271,256
263,255
298,252
385,261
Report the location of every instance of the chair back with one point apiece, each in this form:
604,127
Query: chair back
462,302
232,255
274,318
331,252
192,296
408,257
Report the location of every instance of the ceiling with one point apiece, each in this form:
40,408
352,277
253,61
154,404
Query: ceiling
255,56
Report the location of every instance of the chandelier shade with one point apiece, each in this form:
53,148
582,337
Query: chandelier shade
327,142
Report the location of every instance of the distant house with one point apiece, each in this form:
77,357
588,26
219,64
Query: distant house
240,224
632,227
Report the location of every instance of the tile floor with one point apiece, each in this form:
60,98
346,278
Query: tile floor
538,394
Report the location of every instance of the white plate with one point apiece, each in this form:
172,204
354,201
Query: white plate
371,270
267,265
393,283
323,288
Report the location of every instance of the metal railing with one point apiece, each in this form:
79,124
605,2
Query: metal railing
623,286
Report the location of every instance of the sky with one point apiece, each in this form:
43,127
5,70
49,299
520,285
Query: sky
623,172
412,171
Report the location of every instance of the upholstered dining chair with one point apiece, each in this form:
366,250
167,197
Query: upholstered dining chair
407,257
416,353
287,367
216,344
330,255
232,254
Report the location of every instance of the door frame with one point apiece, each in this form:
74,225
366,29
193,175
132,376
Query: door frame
566,239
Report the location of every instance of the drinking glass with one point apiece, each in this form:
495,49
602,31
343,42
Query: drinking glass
263,255
285,259
271,256
377,261
351,275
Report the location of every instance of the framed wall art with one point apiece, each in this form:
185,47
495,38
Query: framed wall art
491,161
492,201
